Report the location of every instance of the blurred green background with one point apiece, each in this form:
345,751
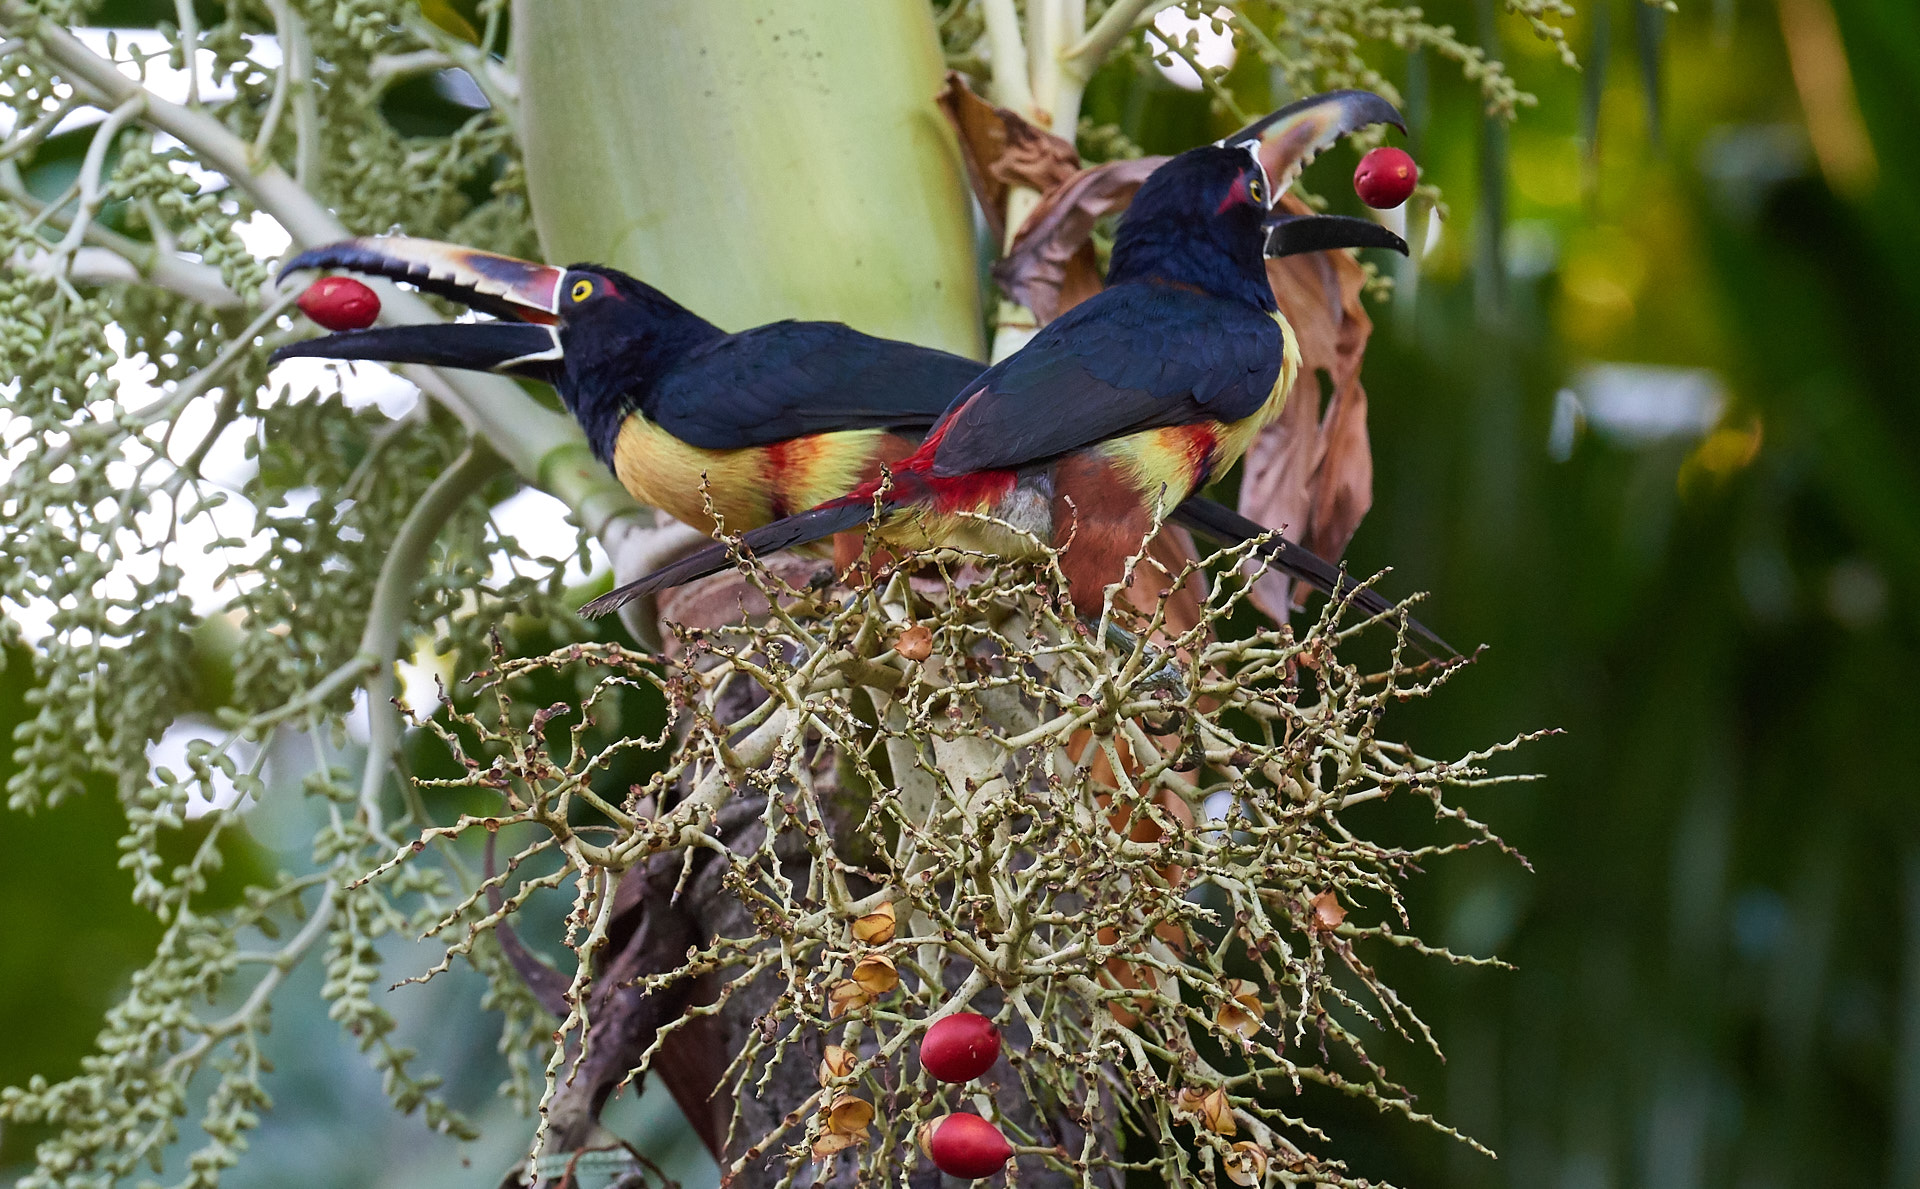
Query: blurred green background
1706,570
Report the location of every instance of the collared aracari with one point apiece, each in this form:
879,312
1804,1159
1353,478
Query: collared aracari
764,423
1115,413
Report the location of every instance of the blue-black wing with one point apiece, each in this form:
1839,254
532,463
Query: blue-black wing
790,379
1133,357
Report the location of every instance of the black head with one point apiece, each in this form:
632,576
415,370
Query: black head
1199,220
617,335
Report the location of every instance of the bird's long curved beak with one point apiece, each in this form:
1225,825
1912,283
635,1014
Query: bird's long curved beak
1292,235
1288,140
522,296
518,348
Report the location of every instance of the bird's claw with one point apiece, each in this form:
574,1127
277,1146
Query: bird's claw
1162,668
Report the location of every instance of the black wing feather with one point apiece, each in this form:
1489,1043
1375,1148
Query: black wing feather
789,379
816,524
1132,358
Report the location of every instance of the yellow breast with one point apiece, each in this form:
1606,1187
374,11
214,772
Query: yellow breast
1236,436
662,471
748,487
1169,463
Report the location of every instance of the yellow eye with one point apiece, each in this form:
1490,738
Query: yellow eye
1256,191
582,290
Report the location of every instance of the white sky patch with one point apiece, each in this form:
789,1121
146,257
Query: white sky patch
226,464
1636,404
358,722
297,500
16,445
422,677
159,75
1395,220
539,522
134,374
1215,46
358,384
421,681
263,236
189,543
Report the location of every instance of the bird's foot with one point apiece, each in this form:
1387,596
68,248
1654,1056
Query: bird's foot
1162,668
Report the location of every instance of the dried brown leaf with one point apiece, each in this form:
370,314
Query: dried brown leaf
1241,1015
1001,148
832,1143
1051,266
1209,1108
1245,1163
875,974
849,1114
1328,912
845,996
915,642
836,1062
1343,483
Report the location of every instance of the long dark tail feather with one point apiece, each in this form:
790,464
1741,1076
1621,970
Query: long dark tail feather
1228,527
1214,520
803,529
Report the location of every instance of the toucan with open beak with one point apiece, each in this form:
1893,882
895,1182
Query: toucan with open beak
1117,412
766,422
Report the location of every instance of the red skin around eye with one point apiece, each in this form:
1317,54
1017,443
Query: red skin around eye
1236,193
1386,178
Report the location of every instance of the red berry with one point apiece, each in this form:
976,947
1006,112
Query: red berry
960,1047
1385,178
340,303
965,1145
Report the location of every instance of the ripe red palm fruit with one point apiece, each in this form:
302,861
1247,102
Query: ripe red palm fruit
1385,178
965,1145
960,1047
340,303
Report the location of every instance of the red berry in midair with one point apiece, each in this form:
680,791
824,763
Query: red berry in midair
340,303
964,1145
1385,178
960,1047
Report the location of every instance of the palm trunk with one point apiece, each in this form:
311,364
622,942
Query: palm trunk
756,160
